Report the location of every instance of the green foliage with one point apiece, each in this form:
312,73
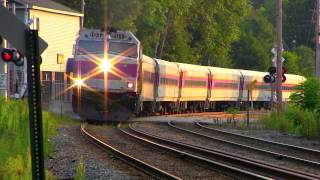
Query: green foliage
307,62
300,61
308,95
298,26
292,62
192,31
233,111
214,26
296,121
303,116
80,170
222,33
252,51
15,160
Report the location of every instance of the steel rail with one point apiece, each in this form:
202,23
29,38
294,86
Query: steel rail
229,169
288,146
314,163
262,167
136,163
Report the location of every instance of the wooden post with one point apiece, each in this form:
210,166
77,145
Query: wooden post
317,38
4,66
279,55
82,10
248,112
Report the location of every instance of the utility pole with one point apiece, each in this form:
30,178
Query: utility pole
3,66
82,10
279,55
318,40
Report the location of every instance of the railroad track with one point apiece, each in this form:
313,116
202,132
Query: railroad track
250,147
272,144
136,163
197,160
256,168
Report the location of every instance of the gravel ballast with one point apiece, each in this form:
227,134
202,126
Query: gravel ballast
167,132
70,146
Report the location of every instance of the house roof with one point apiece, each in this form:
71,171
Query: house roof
49,5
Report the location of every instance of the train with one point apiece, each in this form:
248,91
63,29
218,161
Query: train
114,80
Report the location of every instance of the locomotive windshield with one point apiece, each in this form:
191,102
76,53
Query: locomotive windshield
116,48
90,47
124,49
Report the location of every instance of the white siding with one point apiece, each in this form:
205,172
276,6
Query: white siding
60,32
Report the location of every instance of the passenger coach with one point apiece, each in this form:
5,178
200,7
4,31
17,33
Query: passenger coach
113,79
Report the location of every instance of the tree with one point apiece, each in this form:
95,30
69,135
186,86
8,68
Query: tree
298,26
94,11
214,26
307,95
307,62
123,14
252,51
292,62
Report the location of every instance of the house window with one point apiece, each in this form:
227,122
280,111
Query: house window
59,76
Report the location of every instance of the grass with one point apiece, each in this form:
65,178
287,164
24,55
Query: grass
15,160
295,121
80,170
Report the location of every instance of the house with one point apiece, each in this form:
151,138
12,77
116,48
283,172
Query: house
58,25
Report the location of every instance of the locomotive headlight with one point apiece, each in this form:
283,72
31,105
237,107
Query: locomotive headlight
105,65
130,85
79,82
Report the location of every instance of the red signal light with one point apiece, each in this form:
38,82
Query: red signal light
7,56
284,78
12,55
284,70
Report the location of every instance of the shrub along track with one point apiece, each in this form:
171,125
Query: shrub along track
157,162
212,145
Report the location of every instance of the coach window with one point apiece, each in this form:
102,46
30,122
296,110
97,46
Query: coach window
147,76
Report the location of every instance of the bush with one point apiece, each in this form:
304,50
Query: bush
15,160
302,117
307,95
295,120
233,111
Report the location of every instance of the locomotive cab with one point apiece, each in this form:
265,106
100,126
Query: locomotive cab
106,64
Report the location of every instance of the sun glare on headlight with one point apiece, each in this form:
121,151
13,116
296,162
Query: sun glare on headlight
105,65
79,82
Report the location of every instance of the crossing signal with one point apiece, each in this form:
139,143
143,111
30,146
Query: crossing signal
270,78
12,55
284,70
272,70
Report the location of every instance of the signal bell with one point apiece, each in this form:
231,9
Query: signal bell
12,55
